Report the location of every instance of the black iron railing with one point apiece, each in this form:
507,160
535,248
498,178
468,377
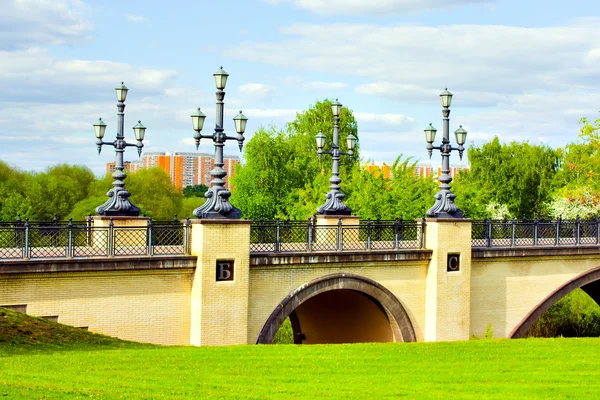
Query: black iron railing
40,239
280,236
529,233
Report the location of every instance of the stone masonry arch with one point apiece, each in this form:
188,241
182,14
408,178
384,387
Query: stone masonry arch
399,320
588,281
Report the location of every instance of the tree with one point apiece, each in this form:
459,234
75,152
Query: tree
518,175
153,192
57,190
280,168
12,192
401,194
579,192
195,190
411,195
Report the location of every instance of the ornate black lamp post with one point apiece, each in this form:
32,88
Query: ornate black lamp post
217,203
444,206
118,203
334,205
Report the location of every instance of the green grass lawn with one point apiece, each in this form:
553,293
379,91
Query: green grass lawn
98,367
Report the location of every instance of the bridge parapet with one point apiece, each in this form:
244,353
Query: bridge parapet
107,237
534,233
309,236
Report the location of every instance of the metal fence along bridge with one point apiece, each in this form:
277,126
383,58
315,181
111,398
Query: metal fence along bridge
79,239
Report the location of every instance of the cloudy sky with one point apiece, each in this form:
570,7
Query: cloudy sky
521,70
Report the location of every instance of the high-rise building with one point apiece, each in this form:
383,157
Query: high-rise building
421,170
426,171
185,169
130,166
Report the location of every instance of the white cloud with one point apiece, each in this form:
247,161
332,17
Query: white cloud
36,74
386,119
137,19
421,59
375,7
257,91
317,85
42,22
278,113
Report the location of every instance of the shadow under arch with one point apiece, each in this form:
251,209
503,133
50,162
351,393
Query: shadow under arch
588,281
400,323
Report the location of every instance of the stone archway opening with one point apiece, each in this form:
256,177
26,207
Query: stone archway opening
341,308
588,281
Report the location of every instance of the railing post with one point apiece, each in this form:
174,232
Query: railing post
396,234
186,236
488,230
369,234
557,233
535,232
26,248
150,239
111,238
277,236
423,225
339,235
512,234
70,239
55,231
578,231
596,221
309,235
89,230
18,231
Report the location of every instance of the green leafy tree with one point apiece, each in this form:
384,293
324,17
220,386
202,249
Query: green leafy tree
58,189
281,169
518,175
12,192
96,197
188,205
579,192
195,190
153,192
372,194
411,195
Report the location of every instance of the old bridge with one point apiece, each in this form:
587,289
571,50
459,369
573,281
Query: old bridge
216,282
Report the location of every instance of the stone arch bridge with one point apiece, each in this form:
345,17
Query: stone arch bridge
217,282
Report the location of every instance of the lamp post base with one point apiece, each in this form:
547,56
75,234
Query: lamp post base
334,205
217,205
444,206
118,205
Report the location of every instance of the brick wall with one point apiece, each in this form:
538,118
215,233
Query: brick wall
144,306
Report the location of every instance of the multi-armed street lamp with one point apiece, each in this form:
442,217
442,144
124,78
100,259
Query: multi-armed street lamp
118,203
444,206
217,203
334,205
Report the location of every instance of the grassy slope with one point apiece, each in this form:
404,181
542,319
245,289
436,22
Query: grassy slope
23,333
502,369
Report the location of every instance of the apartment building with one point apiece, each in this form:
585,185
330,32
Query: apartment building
130,166
421,170
185,169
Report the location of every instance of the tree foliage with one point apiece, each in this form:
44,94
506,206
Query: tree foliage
282,168
518,175
195,190
401,194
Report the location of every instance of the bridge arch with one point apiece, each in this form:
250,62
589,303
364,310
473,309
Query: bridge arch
349,287
588,281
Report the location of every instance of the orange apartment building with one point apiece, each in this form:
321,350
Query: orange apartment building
185,169
422,170
130,166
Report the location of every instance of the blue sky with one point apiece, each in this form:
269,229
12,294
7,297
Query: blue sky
521,70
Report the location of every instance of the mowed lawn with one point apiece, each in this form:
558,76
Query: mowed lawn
477,369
